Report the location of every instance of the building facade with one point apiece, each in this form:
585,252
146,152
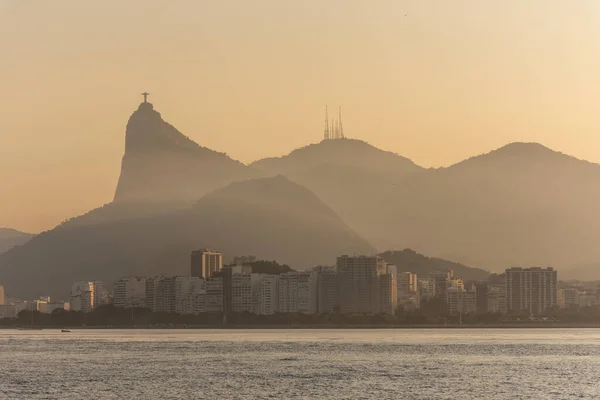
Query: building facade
482,297
214,295
460,301
438,283
408,293
237,288
160,293
86,295
530,290
205,262
8,311
496,299
388,293
360,285
187,288
324,290
130,292
264,294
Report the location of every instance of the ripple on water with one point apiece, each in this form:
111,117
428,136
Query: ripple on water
538,364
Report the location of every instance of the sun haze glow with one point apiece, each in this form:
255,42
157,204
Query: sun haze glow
434,81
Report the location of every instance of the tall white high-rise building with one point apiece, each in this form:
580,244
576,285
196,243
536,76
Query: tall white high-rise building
206,262
324,290
264,293
214,295
438,283
130,292
237,288
362,279
408,290
98,293
530,290
294,292
160,293
186,290
288,293
303,291
496,297
195,304
407,283
174,293
359,284
86,295
460,301
424,292
388,292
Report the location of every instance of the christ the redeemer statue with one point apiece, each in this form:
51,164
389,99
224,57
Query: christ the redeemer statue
145,94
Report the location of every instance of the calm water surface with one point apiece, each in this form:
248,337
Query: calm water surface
294,364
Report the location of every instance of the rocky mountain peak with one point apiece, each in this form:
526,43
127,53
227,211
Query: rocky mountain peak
161,164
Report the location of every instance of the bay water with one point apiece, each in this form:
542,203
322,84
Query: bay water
301,364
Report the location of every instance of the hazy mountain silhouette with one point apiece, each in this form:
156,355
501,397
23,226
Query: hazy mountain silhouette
272,219
410,261
522,204
350,153
10,238
161,165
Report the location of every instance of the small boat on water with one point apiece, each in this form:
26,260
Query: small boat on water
65,331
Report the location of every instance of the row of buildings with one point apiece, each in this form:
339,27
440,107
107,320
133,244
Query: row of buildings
573,295
44,305
355,285
85,296
519,290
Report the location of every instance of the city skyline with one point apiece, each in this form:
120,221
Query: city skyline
299,199
356,285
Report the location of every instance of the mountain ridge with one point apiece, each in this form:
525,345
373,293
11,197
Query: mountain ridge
162,165
10,238
520,204
264,217
350,152
408,260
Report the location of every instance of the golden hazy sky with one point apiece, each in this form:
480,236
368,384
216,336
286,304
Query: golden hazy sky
435,81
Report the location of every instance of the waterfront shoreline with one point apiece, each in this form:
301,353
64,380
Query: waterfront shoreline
333,327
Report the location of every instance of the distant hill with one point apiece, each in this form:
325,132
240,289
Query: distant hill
161,165
350,153
272,219
10,238
410,261
522,204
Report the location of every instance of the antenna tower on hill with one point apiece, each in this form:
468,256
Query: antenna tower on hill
327,134
334,129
